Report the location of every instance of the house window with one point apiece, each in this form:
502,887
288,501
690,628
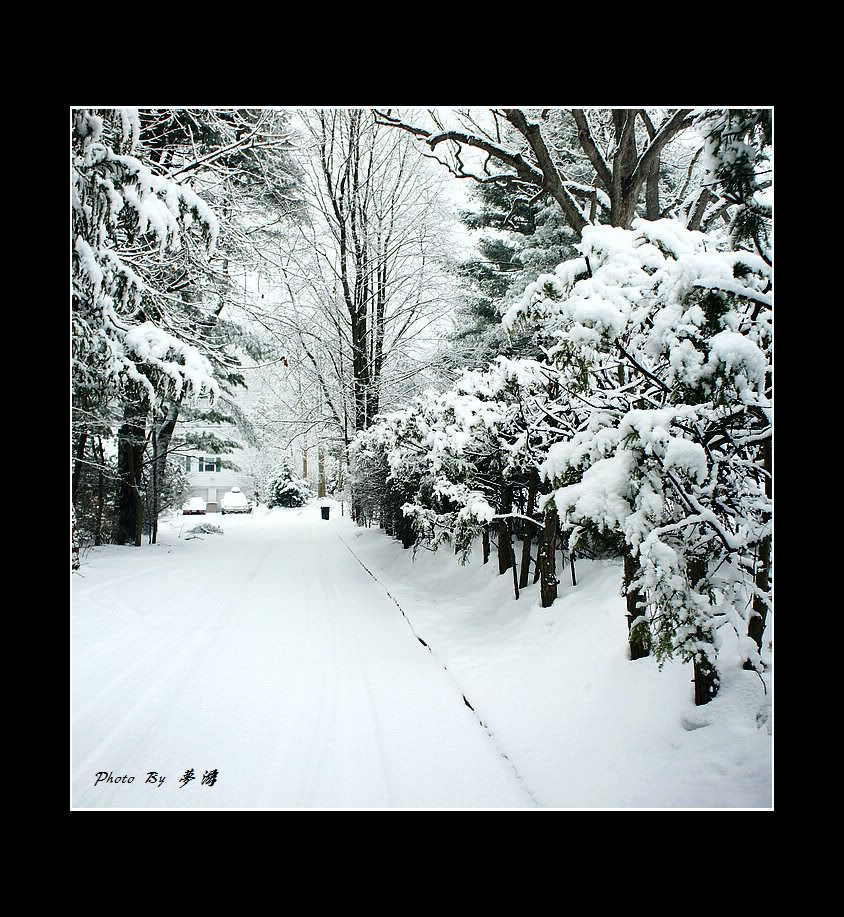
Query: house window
187,463
210,464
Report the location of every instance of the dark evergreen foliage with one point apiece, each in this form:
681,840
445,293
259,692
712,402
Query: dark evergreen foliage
286,489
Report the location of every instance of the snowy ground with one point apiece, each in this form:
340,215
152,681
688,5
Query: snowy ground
270,654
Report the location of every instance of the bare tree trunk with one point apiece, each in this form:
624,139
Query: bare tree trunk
547,559
390,509
706,676
759,611
638,633
131,439
759,614
505,547
485,543
342,465
624,190
99,454
162,436
700,209
533,486
321,472
652,209
153,522
77,466
652,192
98,530
136,470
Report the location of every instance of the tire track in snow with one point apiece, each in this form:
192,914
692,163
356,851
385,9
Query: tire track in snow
318,751
253,573
105,712
121,742
96,587
362,687
86,711
462,693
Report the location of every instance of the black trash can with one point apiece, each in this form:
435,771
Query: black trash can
325,510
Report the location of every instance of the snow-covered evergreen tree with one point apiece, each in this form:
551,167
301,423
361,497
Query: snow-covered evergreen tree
286,488
126,222
131,227
152,273
738,169
676,421
465,462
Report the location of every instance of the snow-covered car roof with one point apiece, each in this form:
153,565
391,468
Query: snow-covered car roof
194,502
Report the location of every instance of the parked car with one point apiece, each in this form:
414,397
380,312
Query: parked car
196,506
235,502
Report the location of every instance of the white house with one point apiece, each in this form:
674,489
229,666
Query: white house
207,478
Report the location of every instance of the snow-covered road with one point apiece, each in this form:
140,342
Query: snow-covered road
269,655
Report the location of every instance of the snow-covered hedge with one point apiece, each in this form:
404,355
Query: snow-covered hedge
649,419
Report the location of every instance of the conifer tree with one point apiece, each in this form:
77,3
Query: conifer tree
286,488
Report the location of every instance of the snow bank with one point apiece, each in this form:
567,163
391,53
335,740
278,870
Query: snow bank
583,725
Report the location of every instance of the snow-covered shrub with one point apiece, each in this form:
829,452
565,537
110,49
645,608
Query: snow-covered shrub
369,473
460,459
206,528
647,424
646,427
671,447
284,488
